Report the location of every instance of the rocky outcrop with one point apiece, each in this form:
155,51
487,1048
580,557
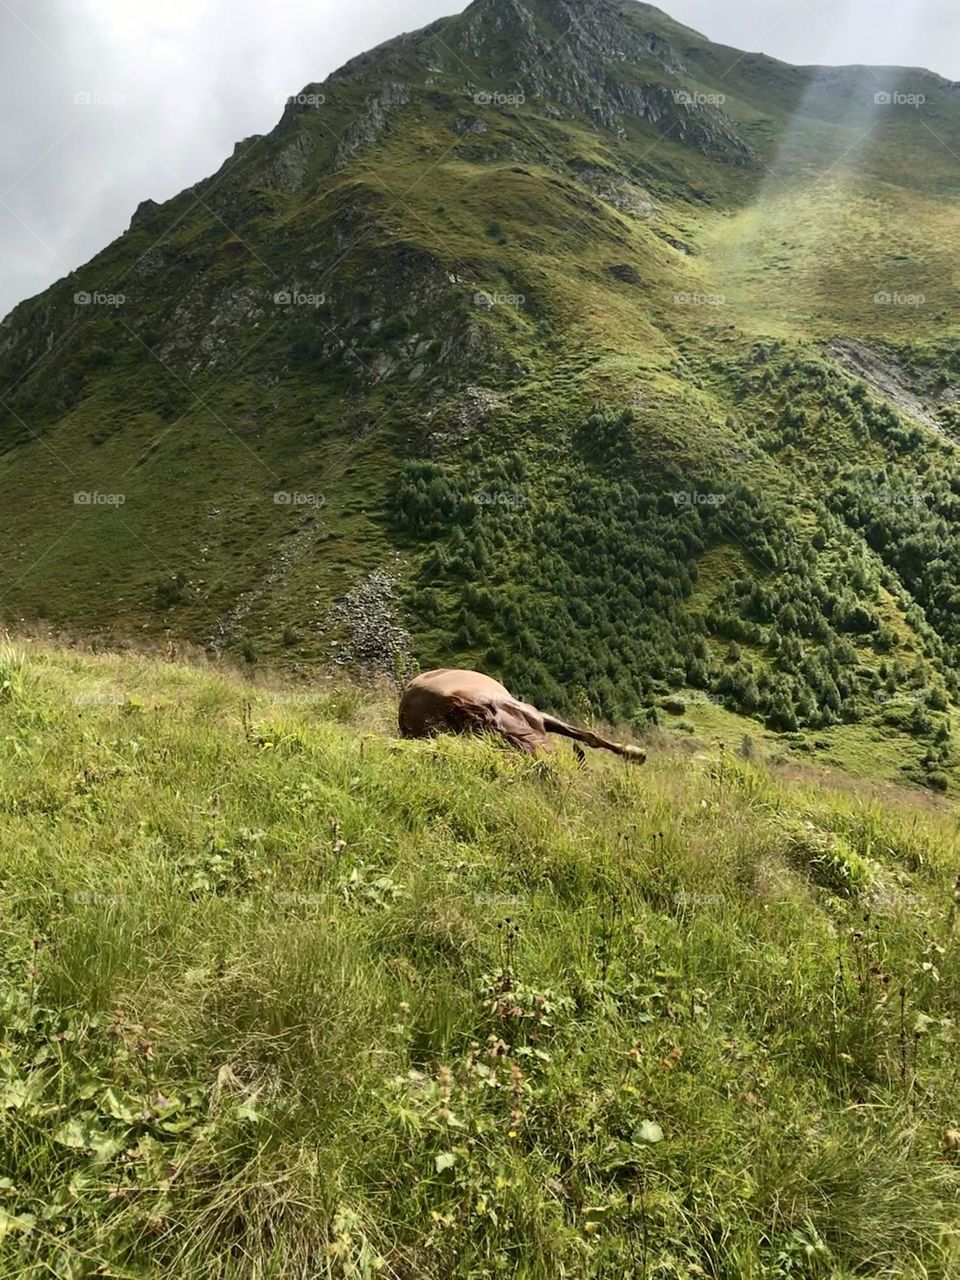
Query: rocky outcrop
467,125
287,169
603,65
616,190
371,122
144,214
475,409
204,324
369,617
882,369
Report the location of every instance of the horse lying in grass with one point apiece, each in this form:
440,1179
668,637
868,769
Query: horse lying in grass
451,701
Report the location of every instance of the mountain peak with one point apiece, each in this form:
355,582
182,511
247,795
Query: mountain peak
403,306
604,27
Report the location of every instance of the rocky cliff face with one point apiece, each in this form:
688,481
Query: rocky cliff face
592,60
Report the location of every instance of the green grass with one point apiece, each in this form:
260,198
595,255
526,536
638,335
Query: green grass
285,996
613,237
784,276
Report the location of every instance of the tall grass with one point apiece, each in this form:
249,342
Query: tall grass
282,996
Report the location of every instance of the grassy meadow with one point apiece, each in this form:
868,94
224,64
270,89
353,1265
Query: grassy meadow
284,996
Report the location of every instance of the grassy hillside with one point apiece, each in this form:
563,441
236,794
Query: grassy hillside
283,996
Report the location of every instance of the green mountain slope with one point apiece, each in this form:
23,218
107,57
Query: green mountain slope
552,338
282,996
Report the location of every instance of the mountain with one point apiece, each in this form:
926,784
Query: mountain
552,338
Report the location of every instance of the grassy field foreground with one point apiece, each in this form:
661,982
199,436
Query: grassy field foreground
282,996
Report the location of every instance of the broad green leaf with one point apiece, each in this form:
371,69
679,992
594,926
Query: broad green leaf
248,1111
73,1133
10,1222
120,1105
594,1212
104,1146
13,1095
81,1133
178,1126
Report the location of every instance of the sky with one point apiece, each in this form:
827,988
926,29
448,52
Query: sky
104,103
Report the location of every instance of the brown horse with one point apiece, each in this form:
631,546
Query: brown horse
450,701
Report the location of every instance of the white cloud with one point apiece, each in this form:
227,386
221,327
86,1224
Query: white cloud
194,76
909,33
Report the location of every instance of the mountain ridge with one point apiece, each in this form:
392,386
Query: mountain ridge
593,304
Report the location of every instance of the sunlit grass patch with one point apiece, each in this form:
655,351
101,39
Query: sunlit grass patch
284,996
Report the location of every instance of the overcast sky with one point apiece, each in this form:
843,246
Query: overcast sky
175,83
